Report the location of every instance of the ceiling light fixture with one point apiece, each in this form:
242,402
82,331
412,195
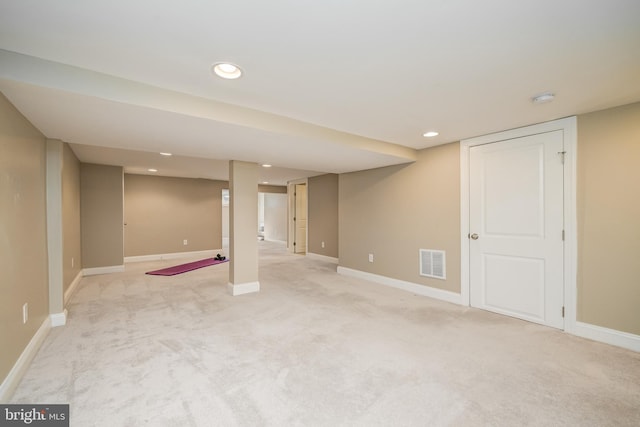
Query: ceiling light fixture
430,134
152,170
166,154
227,70
266,166
265,182
543,97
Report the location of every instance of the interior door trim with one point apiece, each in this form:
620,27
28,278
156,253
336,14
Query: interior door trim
291,210
569,127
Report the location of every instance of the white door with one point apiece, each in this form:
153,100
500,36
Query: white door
516,228
301,219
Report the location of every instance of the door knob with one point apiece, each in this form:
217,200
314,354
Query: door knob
474,236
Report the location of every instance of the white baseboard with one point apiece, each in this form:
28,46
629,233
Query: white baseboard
16,373
58,319
322,257
175,255
415,288
72,287
275,241
606,335
102,270
236,289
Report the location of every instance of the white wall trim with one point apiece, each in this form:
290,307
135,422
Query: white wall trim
606,335
275,241
236,289
16,373
55,237
58,319
72,287
291,210
571,224
322,257
568,126
102,270
415,288
175,255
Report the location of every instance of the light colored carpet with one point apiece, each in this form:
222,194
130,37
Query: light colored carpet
314,349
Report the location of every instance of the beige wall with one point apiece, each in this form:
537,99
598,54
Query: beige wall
323,215
23,235
101,218
393,212
609,218
161,212
72,256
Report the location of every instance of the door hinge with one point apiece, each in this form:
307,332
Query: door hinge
563,235
294,243
563,311
562,153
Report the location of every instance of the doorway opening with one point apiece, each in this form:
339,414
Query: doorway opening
272,218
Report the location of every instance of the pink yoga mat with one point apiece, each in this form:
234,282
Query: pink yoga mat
183,268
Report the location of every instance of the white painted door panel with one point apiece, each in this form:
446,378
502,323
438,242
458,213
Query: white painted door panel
516,210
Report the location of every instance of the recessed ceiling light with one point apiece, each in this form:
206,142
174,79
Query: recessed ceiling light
430,134
166,154
227,70
266,166
152,170
265,182
543,97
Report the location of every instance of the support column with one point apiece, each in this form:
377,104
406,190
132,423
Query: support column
54,232
243,228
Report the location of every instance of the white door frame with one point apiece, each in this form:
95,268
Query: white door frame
568,126
291,232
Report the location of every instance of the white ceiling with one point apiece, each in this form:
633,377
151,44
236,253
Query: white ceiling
328,86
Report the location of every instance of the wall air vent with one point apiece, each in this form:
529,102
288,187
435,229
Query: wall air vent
433,264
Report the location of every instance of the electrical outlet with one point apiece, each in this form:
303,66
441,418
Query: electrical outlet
185,242
370,257
323,244
25,312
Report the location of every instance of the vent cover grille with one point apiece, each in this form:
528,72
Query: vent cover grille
433,263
